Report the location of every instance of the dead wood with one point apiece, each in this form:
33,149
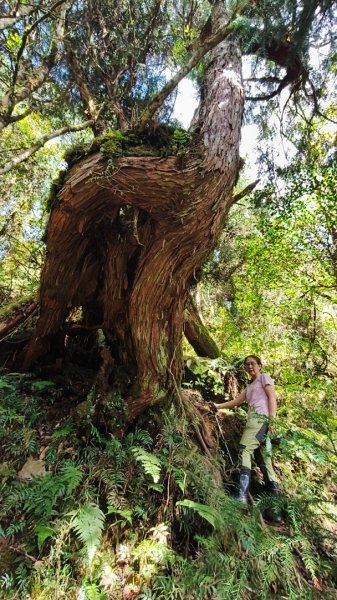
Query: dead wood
24,312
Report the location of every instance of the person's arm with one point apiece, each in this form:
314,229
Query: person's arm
240,399
272,400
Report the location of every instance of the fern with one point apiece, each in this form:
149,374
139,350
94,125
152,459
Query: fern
65,430
308,558
71,475
6,581
125,516
209,513
16,527
181,137
180,477
88,522
42,494
150,463
139,436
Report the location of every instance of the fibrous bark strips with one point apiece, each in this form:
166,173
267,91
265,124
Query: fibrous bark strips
127,234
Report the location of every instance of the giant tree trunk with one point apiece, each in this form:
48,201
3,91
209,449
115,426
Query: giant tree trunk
127,234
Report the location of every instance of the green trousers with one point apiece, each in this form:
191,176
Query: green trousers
254,442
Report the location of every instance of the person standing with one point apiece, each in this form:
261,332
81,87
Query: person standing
261,398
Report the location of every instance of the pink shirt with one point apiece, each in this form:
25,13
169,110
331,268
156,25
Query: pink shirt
256,396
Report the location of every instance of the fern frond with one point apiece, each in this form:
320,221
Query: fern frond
42,493
180,477
71,475
88,522
150,462
139,436
123,516
209,513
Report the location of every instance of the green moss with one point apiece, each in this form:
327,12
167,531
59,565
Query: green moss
115,135
157,139
76,153
84,411
55,188
113,143
112,147
7,309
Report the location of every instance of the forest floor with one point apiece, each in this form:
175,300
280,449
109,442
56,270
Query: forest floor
146,514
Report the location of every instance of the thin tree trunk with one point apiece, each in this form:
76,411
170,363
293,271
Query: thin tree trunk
197,333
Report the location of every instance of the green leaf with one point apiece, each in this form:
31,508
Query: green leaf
88,522
71,476
204,511
42,385
125,514
150,462
62,431
43,532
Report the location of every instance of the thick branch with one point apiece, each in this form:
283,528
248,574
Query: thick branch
26,35
88,101
22,316
284,82
150,28
211,42
284,54
41,142
14,118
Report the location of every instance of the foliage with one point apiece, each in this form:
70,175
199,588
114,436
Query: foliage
88,522
76,518
208,375
151,464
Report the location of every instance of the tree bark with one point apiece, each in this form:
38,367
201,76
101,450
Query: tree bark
127,234
197,334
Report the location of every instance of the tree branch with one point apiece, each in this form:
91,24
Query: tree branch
276,92
27,33
249,188
317,110
41,142
14,118
88,101
10,20
196,56
37,76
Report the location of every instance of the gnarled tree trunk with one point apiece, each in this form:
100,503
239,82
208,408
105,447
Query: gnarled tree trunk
128,233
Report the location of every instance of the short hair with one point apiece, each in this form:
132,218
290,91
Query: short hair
256,358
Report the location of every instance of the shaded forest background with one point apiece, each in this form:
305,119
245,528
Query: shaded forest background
94,504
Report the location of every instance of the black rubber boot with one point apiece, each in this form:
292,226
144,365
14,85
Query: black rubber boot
243,486
273,489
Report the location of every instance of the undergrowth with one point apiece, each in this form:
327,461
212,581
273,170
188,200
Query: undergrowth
88,516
